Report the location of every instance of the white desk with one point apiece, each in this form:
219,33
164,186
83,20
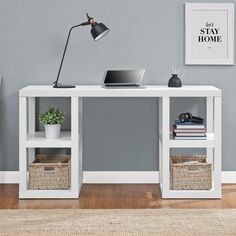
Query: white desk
29,139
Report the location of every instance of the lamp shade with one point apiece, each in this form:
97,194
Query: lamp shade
98,31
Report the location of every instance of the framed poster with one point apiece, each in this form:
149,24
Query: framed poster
209,33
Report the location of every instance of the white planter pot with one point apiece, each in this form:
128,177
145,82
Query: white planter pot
52,131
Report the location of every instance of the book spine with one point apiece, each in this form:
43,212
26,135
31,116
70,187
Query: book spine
189,130
190,126
190,138
190,134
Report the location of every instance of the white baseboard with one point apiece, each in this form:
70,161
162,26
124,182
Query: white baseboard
9,177
119,177
137,177
228,177
115,177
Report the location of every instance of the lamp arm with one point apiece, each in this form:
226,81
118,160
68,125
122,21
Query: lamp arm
68,37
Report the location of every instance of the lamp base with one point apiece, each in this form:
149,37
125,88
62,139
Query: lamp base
63,86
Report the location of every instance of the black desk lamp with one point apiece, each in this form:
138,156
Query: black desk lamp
98,31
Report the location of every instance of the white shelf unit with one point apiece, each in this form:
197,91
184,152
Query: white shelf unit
212,145
29,139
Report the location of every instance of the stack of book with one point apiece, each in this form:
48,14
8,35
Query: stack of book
188,130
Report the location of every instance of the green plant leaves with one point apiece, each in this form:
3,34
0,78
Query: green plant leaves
52,117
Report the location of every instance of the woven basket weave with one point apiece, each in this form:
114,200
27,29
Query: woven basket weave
50,172
190,173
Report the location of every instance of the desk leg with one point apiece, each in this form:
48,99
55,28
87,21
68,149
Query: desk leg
160,143
218,150
80,143
31,126
75,146
210,128
22,147
164,149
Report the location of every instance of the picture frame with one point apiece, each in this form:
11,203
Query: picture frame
209,33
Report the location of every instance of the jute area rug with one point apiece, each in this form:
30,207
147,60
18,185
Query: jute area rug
118,222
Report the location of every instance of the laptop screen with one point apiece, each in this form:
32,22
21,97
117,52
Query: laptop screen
124,76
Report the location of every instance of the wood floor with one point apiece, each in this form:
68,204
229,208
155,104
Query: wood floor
111,196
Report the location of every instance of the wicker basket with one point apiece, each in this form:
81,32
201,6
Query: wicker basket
50,172
190,173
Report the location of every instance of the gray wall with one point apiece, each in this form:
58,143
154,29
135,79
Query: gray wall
119,134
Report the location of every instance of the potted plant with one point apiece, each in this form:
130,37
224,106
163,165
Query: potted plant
52,120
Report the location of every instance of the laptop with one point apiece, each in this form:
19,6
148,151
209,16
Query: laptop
123,78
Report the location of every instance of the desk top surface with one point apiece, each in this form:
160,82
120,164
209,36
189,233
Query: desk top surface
99,91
